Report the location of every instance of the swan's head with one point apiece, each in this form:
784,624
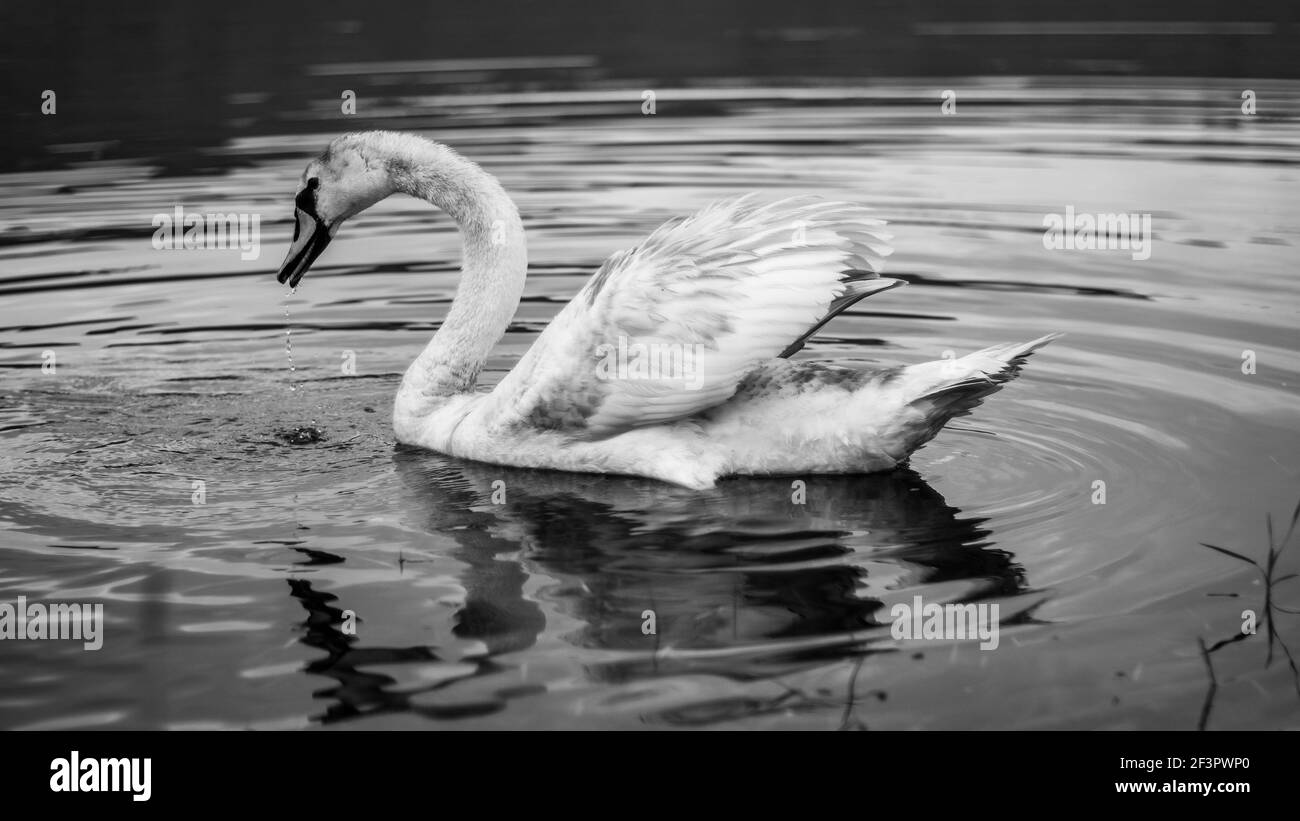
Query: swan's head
349,177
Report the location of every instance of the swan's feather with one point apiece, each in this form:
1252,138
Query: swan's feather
722,291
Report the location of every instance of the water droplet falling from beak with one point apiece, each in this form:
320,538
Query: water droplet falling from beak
288,340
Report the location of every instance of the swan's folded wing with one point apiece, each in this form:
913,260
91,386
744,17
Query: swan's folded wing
668,329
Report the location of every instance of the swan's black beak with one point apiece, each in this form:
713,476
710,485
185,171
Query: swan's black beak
310,236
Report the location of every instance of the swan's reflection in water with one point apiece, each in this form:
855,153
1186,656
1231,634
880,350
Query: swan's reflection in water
750,580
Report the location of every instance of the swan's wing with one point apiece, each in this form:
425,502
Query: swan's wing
668,329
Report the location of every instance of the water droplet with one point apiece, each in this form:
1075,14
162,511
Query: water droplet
288,341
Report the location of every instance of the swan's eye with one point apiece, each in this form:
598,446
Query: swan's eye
306,200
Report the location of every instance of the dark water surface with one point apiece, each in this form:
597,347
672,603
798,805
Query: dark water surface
172,369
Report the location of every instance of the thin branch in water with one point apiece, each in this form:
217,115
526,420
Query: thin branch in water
1275,550
855,724
1231,553
1214,686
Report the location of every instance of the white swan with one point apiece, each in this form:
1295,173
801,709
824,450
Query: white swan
671,362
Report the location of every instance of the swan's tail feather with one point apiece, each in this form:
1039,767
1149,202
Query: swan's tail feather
986,369
954,387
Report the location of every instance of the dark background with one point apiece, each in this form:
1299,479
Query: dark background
166,79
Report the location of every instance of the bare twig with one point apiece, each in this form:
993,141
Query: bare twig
1214,687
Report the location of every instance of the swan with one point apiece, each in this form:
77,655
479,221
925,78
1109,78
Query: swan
673,362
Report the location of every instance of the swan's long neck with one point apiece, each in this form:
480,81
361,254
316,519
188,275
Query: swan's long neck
494,266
